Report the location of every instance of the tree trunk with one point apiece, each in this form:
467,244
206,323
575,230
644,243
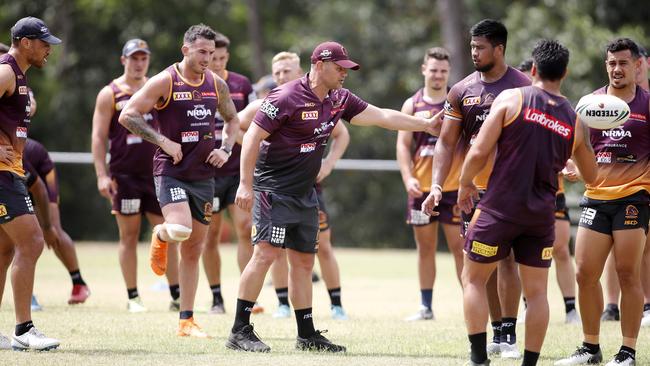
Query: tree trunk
257,43
455,35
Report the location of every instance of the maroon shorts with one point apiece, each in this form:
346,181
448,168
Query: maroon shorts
448,209
135,195
490,239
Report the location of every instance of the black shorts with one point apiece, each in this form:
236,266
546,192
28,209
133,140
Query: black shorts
198,194
561,209
14,198
622,214
135,195
225,190
323,216
286,221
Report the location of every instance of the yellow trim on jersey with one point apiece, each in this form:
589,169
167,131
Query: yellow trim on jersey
521,102
616,192
227,75
169,95
113,97
454,116
16,166
178,71
120,87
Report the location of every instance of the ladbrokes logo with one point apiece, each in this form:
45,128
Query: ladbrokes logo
189,136
199,112
484,249
309,115
182,96
549,122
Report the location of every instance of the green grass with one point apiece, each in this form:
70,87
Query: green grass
379,290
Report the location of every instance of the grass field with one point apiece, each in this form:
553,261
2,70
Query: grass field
379,290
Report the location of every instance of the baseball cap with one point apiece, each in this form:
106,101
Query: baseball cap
135,45
33,28
334,52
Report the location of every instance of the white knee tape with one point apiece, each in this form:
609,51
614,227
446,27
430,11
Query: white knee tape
178,232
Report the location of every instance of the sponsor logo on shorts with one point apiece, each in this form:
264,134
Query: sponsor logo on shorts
418,217
30,206
253,231
631,216
469,101
278,234
130,206
189,136
216,203
133,139
22,90
269,109
3,211
177,194
21,132
547,253
483,249
207,211
604,157
199,112
309,115
182,96
308,147
588,215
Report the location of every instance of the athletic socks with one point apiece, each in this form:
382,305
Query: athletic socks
283,295
335,296
569,304
612,308
646,307
305,323
426,295
592,348
530,358
478,343
76,278
496,332
174,291
216,294
23,328
186,314
242,314
508,330
132,292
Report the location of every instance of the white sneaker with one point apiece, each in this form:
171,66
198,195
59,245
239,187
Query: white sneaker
33,339
645,321
135,305
622,358
493,348
283,311
510,351
5,343
423,314
581,357
338,313
572,317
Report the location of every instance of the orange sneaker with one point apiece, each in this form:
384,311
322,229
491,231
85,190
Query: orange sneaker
188,328
257,309
158,255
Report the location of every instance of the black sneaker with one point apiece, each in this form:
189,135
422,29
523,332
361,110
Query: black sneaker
246,339
610,314
316,342
581,356
622,358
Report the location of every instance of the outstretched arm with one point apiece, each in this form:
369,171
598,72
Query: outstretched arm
394,120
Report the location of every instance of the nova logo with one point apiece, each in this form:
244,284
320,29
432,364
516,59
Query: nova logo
199,112
182,96
189,136
308,147
21,132
307,115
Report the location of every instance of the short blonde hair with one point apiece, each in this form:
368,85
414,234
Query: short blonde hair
284,55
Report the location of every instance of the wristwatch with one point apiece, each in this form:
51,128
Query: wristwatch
226,150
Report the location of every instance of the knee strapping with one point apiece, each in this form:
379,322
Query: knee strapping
178,232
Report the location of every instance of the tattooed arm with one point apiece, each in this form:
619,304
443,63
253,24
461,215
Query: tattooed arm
156,90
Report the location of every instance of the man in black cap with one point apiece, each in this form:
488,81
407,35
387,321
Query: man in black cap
289,133
128,180
21,238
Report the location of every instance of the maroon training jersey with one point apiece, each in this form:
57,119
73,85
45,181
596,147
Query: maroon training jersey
187,117
38,157
240,89
469,102
300,125
623,153
532,149
130,154
14,117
